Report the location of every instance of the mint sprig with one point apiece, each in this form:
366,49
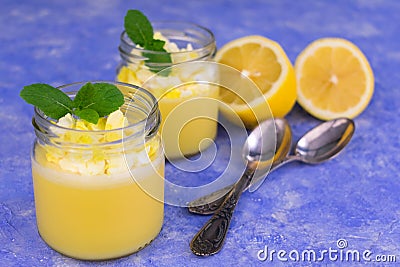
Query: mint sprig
90,103
140,31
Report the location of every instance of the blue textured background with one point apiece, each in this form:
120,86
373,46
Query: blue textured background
354,196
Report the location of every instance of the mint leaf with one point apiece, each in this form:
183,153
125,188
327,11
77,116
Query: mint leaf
83,99
156,45
103,98
140,31
52,101
88,114
138,27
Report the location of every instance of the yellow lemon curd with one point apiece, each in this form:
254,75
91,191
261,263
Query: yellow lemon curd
188,98
94,203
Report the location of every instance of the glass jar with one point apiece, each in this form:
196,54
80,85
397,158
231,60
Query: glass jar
99,193
187,98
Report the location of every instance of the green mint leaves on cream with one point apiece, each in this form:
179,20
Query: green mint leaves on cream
90,103
140,31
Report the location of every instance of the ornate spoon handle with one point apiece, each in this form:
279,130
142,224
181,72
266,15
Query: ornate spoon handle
210,238
208,204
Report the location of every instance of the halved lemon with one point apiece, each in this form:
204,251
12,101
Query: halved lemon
334,79
272,87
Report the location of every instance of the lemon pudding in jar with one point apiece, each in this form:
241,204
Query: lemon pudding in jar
184,87
99,188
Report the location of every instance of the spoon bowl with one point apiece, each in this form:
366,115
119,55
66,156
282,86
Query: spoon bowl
324,141
283,145
268,143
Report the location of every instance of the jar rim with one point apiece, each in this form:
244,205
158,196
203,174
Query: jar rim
153,114
127,41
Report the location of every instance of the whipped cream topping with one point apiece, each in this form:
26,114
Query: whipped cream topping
109,159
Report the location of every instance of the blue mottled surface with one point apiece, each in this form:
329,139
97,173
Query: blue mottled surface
354,196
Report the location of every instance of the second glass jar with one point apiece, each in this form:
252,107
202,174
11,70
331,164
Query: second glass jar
185,88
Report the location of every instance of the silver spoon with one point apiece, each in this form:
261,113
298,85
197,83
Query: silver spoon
319,144
208,204
259,149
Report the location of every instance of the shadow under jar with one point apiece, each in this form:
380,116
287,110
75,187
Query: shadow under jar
185,86
99,193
